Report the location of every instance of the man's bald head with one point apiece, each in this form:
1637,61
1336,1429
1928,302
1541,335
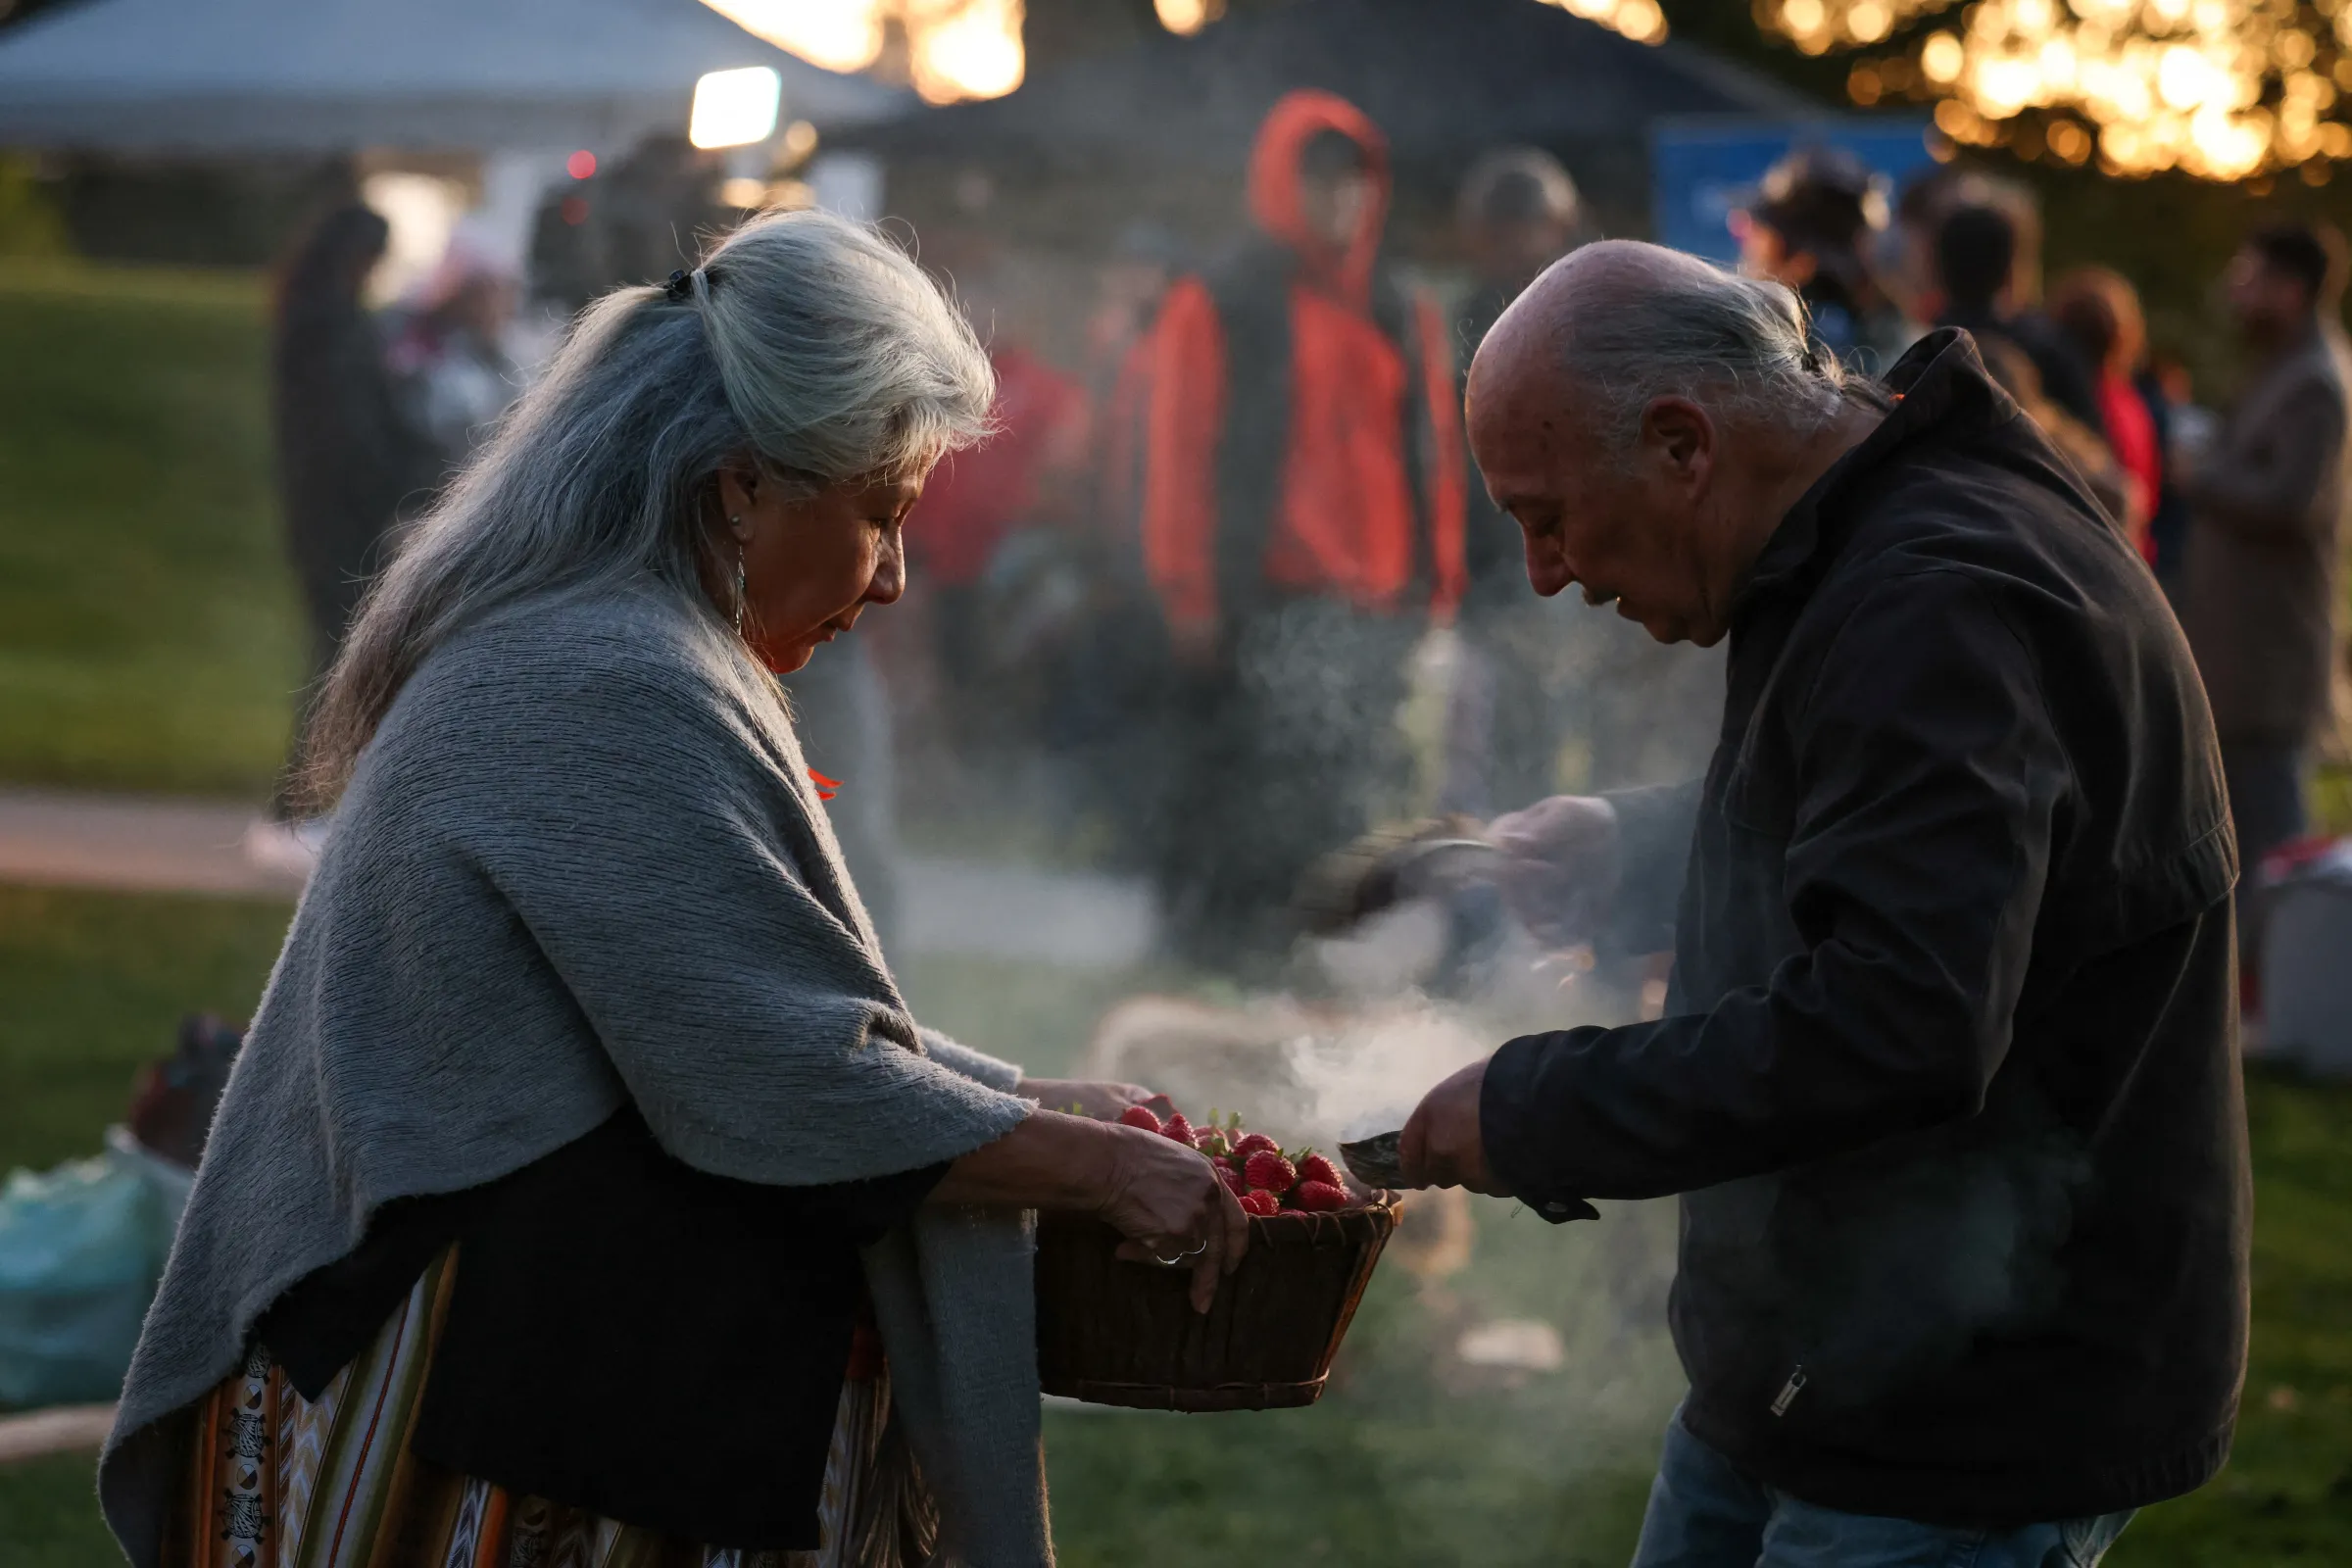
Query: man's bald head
1633,410
1621,322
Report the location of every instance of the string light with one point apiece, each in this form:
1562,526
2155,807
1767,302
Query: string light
2223,89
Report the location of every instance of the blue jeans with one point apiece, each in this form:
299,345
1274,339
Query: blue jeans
1705,1514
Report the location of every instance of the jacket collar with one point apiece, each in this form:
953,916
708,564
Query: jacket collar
1938,388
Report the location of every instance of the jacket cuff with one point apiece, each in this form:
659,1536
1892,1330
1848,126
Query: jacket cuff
977,1065
1511,1127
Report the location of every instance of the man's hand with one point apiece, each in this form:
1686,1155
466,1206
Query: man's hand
1442,1146
1560,865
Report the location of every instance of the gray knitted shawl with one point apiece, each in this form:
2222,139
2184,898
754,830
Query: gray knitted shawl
581,865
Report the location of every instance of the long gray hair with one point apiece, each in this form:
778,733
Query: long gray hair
803,341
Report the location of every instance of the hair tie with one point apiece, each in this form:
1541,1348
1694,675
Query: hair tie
682,286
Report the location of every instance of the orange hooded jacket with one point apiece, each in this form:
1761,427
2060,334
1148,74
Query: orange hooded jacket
1364,496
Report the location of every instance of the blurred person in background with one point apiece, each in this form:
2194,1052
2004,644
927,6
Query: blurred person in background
2098,311
1902,254
1026,474
2261,600
2024,351
1302,519
1517,213
2186,428
634,221
1105,719
1129,291
1976,274
347,453
1811,225
1948,1075
584,1176
449,348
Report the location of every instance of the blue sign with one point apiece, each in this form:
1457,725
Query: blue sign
1701,169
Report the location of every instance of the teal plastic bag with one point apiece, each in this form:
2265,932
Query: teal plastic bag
81,1248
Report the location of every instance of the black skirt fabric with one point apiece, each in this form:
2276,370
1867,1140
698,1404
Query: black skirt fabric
628,1334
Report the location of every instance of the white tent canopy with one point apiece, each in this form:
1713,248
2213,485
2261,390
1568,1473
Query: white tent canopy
326,76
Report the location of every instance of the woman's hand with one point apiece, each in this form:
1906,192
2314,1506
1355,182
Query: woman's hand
1167,1201
1086,1097
1163,1196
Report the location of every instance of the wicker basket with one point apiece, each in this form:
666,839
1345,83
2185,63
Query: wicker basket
1110,1332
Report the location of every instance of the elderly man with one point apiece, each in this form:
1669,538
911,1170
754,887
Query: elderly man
1947,1073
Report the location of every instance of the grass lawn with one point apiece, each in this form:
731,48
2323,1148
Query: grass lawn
1403,1463
149,635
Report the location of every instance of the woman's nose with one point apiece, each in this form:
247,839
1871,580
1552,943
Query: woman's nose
889,576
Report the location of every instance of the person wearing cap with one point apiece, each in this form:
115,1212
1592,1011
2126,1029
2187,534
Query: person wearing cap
1808,225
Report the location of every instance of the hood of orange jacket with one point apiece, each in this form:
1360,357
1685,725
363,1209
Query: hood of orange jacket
1275,199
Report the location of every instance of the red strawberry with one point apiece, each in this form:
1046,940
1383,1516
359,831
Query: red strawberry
1138,1116
1211,1141
1178,1128
1313,1168
1265,1205
1250,1142
1319,1197
1269,1172
1229,1176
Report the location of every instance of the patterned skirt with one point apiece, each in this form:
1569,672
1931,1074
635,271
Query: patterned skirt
277,1481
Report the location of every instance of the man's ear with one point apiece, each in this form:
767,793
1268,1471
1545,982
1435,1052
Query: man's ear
1681,431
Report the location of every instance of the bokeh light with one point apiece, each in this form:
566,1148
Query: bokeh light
734,108
1187,16
972,48
955,48
1640,20
2223,89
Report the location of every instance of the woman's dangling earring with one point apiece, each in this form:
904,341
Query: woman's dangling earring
742,590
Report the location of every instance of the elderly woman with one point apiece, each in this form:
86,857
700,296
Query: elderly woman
585,1192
